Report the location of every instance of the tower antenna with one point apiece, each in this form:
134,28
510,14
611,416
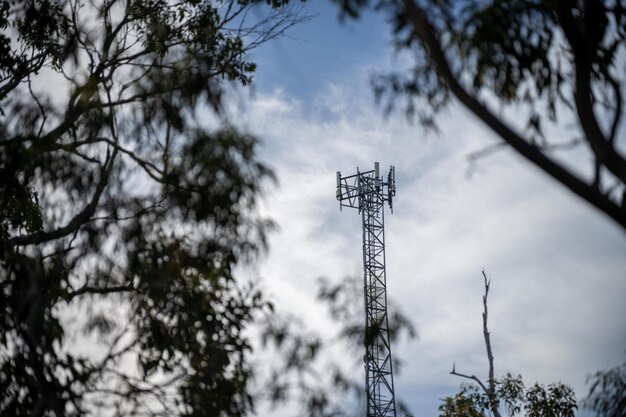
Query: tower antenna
367,191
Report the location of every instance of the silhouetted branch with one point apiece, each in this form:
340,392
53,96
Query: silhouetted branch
80,219
100,290
582,52
617,118
472,377
424,31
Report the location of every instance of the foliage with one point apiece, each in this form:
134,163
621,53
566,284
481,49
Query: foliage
607,394
521,67
322,371
555,400
508,394
344,300
124,208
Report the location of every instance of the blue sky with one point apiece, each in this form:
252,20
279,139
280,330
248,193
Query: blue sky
317,52
557,266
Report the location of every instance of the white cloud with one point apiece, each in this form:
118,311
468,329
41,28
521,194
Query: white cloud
557,265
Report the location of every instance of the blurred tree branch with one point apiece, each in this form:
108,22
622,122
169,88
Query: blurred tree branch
607,394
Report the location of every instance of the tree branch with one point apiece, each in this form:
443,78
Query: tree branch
78,220
424,31
472,377
86,289
491,381
617,118
583,59
490,388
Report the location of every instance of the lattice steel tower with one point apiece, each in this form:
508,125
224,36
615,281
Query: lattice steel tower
367,192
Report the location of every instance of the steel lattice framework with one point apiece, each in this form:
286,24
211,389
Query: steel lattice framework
368,192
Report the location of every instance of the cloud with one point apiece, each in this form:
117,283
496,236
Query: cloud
557,265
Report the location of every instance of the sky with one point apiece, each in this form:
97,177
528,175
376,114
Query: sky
557,265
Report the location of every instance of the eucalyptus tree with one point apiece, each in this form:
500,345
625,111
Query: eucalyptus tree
126,199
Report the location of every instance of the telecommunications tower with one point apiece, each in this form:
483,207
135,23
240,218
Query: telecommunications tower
368,192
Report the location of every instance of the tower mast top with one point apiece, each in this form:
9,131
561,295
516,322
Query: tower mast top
349,189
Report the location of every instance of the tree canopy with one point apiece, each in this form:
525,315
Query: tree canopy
521,67
126,200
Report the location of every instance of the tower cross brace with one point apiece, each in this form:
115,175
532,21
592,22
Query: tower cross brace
367,191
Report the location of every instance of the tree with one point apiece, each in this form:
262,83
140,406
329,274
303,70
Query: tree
506,395
543,61
124,208
607,395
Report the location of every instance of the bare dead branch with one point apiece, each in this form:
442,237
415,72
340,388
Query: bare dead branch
490,388
471,377
491,381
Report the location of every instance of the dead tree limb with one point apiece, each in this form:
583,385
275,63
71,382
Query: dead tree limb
490,387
